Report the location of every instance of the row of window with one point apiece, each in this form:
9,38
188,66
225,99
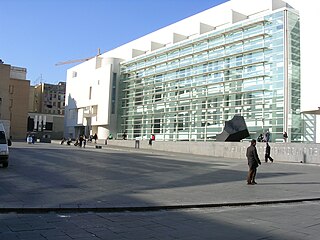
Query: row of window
228,43
60,97
204,86
212,63
216,67
54,111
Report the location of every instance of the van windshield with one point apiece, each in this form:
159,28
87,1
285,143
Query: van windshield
3,139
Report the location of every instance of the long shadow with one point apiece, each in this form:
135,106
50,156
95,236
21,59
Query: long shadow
33,173
67,174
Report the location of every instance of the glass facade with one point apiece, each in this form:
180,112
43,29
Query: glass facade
188,90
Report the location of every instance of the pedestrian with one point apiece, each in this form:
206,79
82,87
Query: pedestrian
253,162
137,143
260,138
267,136
95,137
80,140
84,141
152,138
267,154
124,135
285,136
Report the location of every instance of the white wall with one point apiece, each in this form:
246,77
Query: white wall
310,51
310,78
95,74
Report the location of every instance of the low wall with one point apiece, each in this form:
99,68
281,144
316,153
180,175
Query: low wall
281,152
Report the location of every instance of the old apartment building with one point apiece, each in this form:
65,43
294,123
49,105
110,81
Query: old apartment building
14,97
46,110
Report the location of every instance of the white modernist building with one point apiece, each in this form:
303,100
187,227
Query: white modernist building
91,97
184,81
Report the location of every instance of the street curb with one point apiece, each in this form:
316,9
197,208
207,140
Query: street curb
31,210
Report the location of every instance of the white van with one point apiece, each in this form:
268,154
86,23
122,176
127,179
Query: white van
4,150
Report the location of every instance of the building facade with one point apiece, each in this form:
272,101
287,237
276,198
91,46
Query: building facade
49,98
14,97
46,110
226,61
4,91
92,98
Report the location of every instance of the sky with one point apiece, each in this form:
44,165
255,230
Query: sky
37,34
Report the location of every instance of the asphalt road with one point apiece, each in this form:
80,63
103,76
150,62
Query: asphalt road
51,191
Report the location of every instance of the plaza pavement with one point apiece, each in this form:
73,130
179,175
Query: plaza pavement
121,194
180,181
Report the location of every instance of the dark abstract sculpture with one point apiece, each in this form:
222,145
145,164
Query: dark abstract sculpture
234,130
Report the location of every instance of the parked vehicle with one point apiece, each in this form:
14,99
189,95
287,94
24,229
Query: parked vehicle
4,149
6,125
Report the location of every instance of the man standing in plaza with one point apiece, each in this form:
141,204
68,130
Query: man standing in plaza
253,162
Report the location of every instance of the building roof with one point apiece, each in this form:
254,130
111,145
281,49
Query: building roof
213,19
315,112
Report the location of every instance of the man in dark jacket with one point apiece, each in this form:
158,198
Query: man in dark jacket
253,162
267,154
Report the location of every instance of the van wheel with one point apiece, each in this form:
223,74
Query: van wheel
5,165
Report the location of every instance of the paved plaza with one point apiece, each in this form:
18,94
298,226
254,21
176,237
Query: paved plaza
51,191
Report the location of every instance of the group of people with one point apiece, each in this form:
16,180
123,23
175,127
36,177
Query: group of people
81,141
93,137
253,158
69,141
266,137
31,139
151,139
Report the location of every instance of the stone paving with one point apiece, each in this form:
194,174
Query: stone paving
134,194
298,221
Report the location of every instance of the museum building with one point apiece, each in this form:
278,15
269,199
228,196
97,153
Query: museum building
184,81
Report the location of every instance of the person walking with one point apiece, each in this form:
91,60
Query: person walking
253,162
95,138
267,154
84,141
124,135
285,136
80,140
